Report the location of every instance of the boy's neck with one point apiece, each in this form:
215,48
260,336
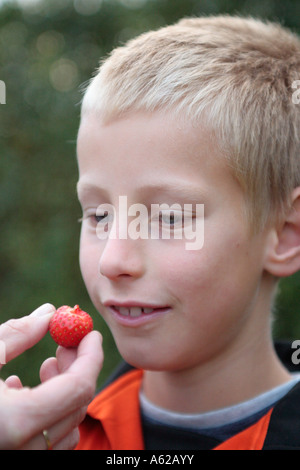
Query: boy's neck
237,376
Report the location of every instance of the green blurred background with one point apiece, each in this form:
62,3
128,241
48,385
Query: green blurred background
48,49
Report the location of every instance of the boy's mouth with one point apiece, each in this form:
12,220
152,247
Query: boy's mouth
135,311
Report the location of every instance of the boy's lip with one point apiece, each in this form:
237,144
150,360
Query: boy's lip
135,312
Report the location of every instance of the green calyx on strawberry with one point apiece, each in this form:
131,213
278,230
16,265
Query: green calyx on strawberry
69,325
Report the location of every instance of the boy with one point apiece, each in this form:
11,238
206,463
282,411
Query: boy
197,114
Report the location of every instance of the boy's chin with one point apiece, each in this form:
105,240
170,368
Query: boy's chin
152,362
143,363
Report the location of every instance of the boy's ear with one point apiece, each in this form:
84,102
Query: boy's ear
283,250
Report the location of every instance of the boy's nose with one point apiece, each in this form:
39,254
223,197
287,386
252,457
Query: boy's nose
121,257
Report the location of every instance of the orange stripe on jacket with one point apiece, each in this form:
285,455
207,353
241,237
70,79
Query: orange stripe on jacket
252,438
114,421
117,408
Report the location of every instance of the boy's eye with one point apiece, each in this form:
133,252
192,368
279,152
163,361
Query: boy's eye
100,217
170,218
95,218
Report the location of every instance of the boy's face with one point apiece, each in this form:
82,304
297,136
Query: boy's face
206,301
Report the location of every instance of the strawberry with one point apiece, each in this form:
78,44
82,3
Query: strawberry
69,325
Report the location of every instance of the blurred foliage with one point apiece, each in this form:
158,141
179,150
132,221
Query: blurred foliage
48,49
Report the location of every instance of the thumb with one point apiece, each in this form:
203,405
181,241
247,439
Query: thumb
18,335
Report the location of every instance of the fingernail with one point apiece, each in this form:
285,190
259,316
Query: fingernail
46,309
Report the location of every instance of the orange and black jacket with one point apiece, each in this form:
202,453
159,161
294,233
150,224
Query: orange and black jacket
114,421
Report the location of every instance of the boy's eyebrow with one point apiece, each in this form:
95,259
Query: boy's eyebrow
83,187
187,191
177,189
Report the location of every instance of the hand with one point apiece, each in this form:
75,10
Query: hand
59,403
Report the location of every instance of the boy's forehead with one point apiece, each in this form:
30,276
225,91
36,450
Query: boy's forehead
148,144
93,120
150,163
157,129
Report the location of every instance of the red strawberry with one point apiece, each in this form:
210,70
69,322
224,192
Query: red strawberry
69,325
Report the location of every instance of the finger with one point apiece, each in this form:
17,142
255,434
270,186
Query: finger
89,356
60,434
57,365
54,366
13,382
49,369
65,358
66,393
20,334
69,442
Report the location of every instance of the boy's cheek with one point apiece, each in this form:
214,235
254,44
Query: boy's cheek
88,259
90,274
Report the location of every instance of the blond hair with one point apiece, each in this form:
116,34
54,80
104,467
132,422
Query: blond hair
235,72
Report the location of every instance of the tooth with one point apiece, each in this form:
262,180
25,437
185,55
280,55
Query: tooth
148,310
135,311
124,311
